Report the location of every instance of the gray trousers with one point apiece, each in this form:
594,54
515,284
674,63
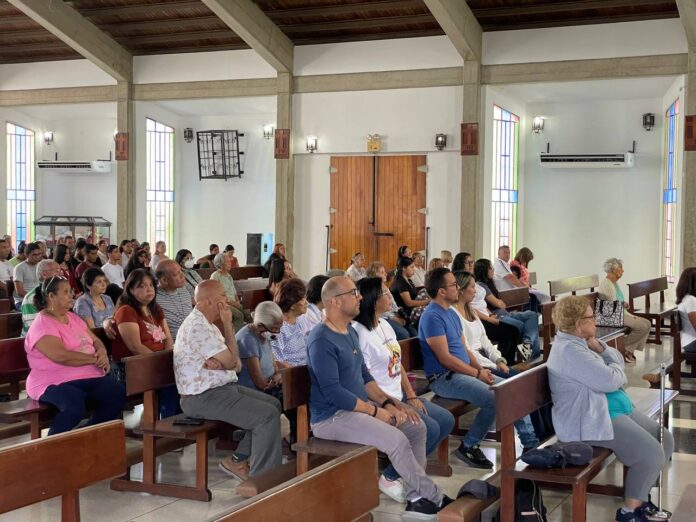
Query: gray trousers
256,412
405,447
635,445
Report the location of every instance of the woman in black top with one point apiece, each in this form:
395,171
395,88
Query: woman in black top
403,289
137,260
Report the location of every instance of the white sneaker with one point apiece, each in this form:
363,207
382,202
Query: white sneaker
394,489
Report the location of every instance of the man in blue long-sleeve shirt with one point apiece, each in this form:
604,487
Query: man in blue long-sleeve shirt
347,405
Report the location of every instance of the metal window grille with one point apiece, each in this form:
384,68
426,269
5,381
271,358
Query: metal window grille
219,154
504,195
21,193
160,183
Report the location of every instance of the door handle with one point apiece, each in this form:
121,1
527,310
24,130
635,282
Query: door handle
384,234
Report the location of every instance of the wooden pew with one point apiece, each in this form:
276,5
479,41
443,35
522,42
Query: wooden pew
527,392
60,466
241,273
205,272
656,313
10,294
612,336
342,489
10,325
532,278
5,307
146,374
515,298
573,285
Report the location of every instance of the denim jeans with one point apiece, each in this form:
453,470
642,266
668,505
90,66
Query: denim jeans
528,325
438,425
402,332
472,390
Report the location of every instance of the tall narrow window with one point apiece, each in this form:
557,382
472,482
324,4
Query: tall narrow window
160,183
20,183
506,133
669,192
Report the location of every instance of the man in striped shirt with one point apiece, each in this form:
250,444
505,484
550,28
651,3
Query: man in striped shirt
171,294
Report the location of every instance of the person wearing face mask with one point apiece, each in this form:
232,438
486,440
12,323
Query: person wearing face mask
191,278
260,370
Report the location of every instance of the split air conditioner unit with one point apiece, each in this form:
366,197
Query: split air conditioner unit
98,166
587,161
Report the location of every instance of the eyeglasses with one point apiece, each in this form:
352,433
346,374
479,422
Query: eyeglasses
451,284
355,292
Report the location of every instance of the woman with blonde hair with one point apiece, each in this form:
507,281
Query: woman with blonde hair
587,380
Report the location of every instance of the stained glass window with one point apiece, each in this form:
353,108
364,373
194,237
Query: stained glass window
506,129
669,192
20,183
160,184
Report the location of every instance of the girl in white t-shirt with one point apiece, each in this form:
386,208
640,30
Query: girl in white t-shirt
382,355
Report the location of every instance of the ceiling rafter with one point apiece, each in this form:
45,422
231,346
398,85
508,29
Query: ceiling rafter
460,25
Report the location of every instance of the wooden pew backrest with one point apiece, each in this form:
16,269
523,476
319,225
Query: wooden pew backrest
61,465
515,297
5,306
149,372
343,489
13,359
520,395
573,285
411,354
532,278
10,325
645,288
247,272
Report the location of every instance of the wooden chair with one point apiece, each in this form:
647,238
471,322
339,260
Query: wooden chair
573,285
60,466
10,325
342,489
525,393
656,313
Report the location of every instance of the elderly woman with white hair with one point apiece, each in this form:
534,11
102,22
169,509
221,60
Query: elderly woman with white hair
260,370
223,263
609,289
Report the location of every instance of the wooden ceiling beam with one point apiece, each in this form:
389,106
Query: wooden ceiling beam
460,25
335,10
138,9
357,24
687,14
566,21
249,22
80,34
192,36
364,37
562,7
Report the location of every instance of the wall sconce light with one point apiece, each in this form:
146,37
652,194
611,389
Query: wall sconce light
537,124
311,144
648,121
268,131
440,141
48,137
188,134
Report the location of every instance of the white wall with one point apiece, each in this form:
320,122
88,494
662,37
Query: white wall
408,119
585,41
42,75
575,219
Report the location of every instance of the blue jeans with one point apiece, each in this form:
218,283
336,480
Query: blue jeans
70,400
168,401
528,325
472,390
402,332
438,425
691,347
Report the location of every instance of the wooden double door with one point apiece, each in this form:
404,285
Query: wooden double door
377,204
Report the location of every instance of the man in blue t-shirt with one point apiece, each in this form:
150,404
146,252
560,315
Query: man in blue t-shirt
347,405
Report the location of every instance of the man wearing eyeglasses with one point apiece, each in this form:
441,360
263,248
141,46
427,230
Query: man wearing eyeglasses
347,405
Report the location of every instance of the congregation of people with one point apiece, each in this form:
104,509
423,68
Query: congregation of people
345,326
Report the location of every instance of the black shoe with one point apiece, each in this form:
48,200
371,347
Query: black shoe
651,512
446,501
421,509
474,457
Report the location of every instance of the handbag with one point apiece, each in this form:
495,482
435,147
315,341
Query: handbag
609,313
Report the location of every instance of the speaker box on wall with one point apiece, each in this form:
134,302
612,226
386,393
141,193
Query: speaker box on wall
253,249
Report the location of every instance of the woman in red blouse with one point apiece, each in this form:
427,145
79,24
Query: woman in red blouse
143,329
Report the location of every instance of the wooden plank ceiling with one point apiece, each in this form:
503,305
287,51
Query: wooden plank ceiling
147,27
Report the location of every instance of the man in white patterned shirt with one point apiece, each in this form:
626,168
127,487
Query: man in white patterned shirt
205,366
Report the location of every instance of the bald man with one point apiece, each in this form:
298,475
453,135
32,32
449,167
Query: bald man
347,405
206,363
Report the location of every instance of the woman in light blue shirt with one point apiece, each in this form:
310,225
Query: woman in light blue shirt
587,377
94,306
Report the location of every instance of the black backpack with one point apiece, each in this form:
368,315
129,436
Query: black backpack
529,506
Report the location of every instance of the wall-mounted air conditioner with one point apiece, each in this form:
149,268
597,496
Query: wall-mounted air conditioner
587,161
99,166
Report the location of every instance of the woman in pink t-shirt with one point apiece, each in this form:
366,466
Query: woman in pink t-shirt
69,364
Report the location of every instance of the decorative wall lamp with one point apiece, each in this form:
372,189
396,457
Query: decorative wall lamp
188,134
440,141
648,121
268,132
311,144
374,143
537,124
48,137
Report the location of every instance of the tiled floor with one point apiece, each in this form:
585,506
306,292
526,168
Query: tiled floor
99,503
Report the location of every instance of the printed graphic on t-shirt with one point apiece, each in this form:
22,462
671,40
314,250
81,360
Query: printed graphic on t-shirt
156,332
394,366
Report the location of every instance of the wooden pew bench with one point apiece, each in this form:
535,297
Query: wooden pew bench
573,285
240,273
529,391
60,466
6,306
657,313
146,374
343,489
515,298
10,325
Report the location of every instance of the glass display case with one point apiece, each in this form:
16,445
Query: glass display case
89,228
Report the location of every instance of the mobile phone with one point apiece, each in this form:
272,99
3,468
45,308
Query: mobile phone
187,421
